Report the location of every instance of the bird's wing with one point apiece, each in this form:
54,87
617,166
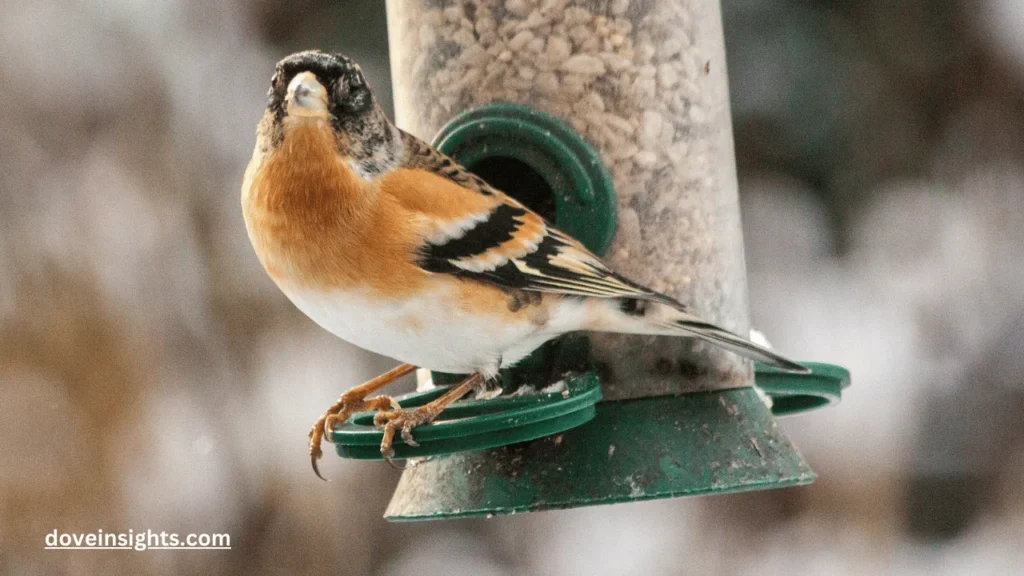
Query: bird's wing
497,240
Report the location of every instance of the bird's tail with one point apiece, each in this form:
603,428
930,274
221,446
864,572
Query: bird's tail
669,318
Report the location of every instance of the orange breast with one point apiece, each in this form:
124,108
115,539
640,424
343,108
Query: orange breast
315,223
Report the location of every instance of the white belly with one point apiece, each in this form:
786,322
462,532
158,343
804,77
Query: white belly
425,331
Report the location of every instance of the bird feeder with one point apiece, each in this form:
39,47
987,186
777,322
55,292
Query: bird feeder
611,119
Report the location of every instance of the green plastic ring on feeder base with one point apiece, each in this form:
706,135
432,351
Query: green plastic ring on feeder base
480,424
476,424
798,393
715,442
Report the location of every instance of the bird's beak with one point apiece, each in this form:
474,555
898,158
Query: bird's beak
306,96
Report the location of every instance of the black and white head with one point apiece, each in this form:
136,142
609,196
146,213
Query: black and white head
320,86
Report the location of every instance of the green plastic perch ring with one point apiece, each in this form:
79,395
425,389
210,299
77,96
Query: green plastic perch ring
482,424
797,393
476,424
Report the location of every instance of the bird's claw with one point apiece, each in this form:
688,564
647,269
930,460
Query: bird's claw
401,421
314,455
337,414
407,436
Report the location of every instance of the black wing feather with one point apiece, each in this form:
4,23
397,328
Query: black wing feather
499,228
541,270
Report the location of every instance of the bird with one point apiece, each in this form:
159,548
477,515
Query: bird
396,248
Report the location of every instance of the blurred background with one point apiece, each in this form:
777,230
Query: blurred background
151,376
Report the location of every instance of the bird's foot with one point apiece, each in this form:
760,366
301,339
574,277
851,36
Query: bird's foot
351,402
402,422
338,413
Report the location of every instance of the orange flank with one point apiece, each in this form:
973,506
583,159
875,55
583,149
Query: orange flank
480,299
426,193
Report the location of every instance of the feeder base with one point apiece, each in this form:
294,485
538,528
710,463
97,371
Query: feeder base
661,447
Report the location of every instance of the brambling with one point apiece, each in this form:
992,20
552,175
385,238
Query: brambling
393,246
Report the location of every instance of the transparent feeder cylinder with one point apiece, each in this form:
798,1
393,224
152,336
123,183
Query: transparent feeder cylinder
644,81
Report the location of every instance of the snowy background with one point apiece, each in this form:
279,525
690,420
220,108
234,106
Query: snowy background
151,376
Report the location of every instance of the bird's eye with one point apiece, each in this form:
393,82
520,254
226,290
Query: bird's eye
341,88
351,92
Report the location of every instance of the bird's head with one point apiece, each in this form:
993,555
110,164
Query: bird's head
329,89
316,84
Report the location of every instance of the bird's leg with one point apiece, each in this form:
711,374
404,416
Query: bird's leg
351,402
404,421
